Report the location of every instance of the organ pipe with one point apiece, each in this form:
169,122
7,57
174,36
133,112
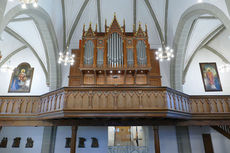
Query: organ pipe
89,53
115,50
141,53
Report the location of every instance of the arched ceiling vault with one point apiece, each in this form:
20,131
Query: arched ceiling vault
156,13
181,36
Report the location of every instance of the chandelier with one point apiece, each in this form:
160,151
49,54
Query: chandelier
7,68
165,53
24,3
224,68
66,58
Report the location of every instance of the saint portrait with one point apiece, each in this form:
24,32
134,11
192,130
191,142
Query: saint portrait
210,76
21,78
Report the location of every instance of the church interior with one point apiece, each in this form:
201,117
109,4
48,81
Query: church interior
114,76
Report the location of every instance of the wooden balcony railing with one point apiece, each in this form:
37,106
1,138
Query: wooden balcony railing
93,102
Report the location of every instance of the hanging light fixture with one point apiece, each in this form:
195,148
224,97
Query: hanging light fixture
24,3
224,68
7,68
165,53
66,58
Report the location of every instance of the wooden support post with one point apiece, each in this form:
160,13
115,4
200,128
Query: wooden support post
135,53
105,54
95,77
135,77
105,75
82,44
125,54
125,77
73,139
156,139
148,54
95,54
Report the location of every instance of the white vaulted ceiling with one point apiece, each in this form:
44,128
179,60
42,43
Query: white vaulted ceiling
65,20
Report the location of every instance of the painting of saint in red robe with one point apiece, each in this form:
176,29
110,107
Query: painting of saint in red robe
210,77
21,78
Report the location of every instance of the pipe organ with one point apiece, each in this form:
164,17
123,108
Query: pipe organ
114,57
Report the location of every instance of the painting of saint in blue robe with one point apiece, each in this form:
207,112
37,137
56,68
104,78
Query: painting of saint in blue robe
21,78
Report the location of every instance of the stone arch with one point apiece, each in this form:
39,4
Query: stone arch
44,24
181,35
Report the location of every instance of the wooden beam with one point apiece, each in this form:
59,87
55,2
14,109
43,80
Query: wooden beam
73,139
156,139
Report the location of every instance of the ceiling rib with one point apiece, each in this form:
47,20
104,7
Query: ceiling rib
76,21
135,14
166,20
64,23
22,40
206,40
193,25
225,60
21,19
12,54
99,14
156,22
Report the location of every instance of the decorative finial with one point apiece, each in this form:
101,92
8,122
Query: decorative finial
146,28
114,14
84,28
96,27
123,22
90,24
105,25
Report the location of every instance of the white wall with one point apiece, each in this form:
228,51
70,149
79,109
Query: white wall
38,86
36,133
193,81
165,73
196,140
63,132
168,140
220,143
101,133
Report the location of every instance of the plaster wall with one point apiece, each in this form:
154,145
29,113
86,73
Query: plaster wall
38,85
101,133
63,132
168,140
193,81
36,133
196,140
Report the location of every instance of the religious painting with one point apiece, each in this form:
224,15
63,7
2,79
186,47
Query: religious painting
21,79
211,79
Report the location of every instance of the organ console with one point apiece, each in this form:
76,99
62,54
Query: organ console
114,57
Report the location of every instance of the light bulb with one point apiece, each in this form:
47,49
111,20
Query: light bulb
35,4
23,6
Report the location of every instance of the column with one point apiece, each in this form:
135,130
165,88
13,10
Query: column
49,138
73,139
156,139
183,140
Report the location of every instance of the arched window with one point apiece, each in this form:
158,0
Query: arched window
89,52
141,53
115,50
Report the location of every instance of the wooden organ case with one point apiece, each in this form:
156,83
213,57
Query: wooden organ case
115,58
